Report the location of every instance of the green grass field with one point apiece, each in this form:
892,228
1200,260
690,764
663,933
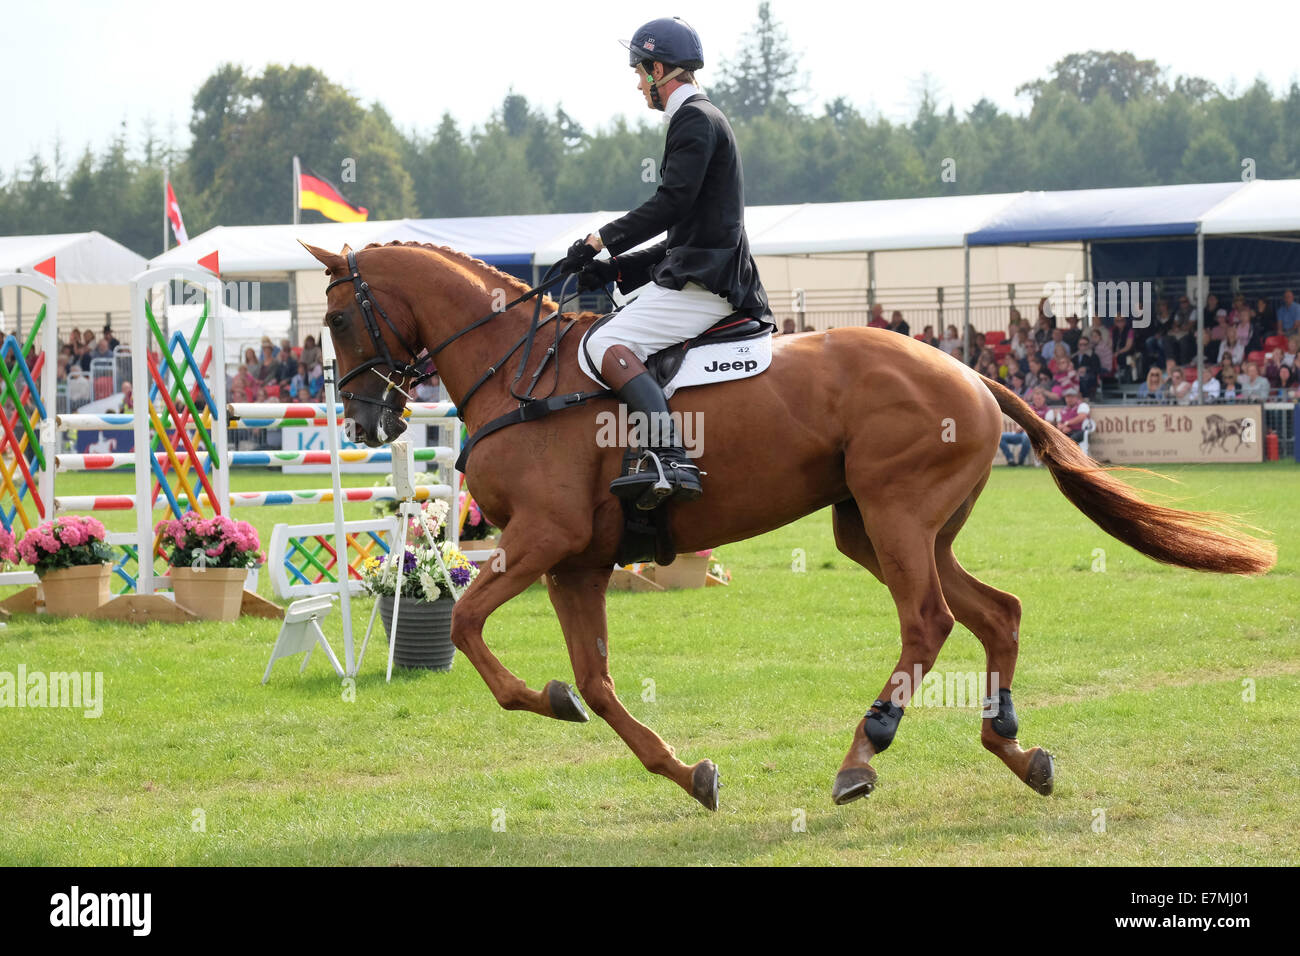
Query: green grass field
1134,678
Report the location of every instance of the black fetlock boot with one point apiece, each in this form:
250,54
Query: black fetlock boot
665,470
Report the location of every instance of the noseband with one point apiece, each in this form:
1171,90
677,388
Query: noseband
402,375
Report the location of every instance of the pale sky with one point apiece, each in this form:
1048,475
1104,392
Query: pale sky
77,69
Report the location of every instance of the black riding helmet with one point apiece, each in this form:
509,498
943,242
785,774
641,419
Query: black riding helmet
670,41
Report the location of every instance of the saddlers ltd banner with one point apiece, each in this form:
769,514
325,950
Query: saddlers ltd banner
1141,434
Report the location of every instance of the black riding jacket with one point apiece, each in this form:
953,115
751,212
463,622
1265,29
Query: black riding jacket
700,202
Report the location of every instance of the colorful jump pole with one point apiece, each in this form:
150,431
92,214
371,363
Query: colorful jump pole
30,440
188,430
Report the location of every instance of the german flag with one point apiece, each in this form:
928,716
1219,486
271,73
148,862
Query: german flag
317,193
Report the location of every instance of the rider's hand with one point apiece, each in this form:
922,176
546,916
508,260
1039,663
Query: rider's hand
597,274
580,253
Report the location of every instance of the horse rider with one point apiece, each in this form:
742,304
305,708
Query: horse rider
700,274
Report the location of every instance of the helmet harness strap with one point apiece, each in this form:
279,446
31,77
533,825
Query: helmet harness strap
655,98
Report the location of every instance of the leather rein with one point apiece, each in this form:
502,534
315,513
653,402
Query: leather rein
406,375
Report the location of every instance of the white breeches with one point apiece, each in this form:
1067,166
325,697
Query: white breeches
654,320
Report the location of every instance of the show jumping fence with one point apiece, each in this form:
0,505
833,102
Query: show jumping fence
181,432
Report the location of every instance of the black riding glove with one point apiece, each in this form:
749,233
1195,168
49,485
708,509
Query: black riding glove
578,255
597,274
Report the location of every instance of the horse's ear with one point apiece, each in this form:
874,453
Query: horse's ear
333,263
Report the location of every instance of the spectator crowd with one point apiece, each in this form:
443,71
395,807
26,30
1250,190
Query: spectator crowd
1249,352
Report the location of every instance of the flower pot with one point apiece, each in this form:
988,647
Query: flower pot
423,632
73,592
214,594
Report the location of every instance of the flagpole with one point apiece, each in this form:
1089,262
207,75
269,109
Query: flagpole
293,276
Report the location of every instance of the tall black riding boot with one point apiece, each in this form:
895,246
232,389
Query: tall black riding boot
666,471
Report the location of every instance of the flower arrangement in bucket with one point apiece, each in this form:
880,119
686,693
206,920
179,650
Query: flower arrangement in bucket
210,559
433,574
72,558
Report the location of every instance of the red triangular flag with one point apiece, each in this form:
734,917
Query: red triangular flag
45,268
210,263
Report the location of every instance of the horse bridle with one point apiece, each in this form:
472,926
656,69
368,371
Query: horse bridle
403,375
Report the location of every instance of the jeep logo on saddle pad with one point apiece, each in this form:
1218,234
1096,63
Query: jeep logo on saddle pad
714,362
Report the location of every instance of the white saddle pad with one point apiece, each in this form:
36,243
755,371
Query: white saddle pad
721,362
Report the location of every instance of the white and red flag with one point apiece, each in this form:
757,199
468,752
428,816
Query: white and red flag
174,215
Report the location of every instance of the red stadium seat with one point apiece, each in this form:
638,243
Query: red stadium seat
1275,342
993,338
919,336
1001,350
1255,357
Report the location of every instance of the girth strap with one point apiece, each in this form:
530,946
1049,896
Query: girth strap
527,412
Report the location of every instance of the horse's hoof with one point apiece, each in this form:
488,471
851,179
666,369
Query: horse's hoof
852,784
565,704
1042,772
705,784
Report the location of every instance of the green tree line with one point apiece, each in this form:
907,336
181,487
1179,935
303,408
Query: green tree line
1102,118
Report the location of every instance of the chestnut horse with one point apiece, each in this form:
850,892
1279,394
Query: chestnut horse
896,437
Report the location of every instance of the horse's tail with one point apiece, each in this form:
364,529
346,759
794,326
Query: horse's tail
1208,541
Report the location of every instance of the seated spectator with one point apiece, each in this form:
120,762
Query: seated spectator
1048,351
877,317
112,339
1104,350
1074,415
1253,386
300,394
1265,318
316,380
1275,361
1209,348
250,361
787,327
268,367
1153,389
1088,366
1038,402
927,336
950,341
1286,390
1185,336
299,379
311,353
1227,384
1219,327
243,386
1072,333
1064,375
1245,326
1288,315
1183,384
897,324
1207,389
1124,342
1015,438
1037,374
128,398
1231,349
